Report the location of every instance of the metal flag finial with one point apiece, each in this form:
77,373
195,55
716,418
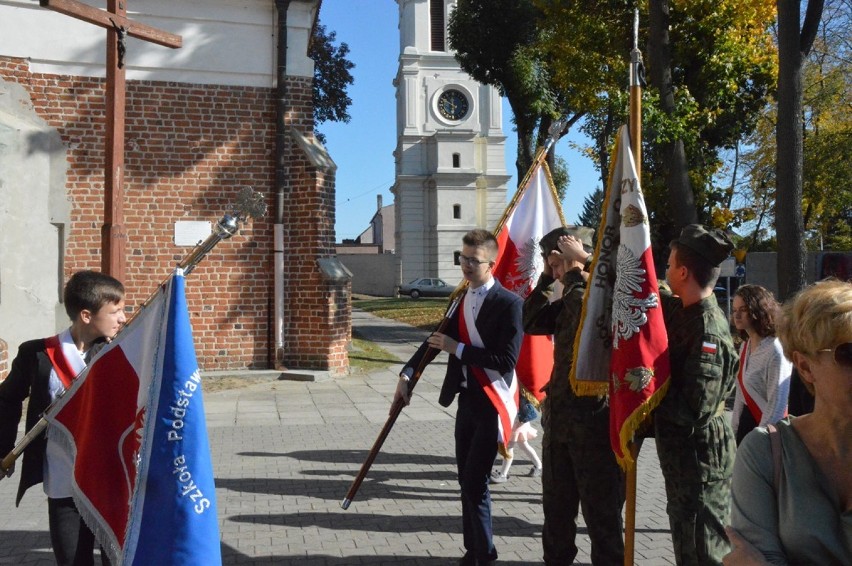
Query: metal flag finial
637,66
250,204
555,131
557,127
636,28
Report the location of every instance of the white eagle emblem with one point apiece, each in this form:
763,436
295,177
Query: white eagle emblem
528,265
628,311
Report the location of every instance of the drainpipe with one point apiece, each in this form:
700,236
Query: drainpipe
280,144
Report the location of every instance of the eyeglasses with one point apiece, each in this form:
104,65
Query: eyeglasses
842,354
472,261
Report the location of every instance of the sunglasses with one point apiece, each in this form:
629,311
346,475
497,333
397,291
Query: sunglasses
842,354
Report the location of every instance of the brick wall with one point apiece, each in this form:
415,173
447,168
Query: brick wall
317,319
189,150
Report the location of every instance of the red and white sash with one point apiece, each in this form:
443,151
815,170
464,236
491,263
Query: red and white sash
752,405
504,397
753,408
64,357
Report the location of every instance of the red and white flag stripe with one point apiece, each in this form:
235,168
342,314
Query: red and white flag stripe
519,265
640,355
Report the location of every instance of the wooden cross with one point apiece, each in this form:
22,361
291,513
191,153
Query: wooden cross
114,19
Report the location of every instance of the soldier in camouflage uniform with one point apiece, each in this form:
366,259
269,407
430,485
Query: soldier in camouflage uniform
694,439
579,467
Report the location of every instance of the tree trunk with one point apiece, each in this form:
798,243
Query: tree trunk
793,47
523,158
602,146
677,178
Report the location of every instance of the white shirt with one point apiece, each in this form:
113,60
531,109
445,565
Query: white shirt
766,375
476,296
58,466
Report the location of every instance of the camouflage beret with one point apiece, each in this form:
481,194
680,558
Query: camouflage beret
712,244
548,242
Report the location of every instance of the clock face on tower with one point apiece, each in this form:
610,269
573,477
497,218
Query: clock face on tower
453,104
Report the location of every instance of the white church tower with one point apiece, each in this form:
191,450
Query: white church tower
450,150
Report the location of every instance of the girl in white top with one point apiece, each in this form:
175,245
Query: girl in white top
763,381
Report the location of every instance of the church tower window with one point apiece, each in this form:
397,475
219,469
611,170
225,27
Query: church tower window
437,24
457,211
456,161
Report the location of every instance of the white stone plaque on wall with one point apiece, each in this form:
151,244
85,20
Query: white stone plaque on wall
190,232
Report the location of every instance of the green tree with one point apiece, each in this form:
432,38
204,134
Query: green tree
495,41
722,72
559,172
826,202
827,133
592,210
671,147
709,81
331,78
587,59
752,206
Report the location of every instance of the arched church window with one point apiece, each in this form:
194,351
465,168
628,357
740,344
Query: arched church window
456,161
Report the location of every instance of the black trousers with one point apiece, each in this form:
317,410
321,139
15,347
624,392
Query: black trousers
476,447
73,542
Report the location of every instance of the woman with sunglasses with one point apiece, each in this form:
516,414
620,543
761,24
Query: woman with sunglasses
792,503
763,380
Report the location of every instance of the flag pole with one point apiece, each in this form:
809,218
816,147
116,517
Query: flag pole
249,205
397,406
637,78
557,128
635,128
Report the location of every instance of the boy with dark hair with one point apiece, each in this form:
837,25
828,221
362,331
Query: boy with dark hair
703,271
484,239
694,438
42,370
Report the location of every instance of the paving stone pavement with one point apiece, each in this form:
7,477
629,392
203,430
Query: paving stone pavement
285,454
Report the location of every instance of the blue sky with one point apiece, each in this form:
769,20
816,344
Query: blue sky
363,148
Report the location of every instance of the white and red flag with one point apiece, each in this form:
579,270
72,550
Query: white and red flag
623,289
133,425
519,264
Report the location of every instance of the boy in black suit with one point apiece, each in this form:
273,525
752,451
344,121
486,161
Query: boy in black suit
42,370
483,338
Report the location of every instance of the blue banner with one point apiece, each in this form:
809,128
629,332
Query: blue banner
173,519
